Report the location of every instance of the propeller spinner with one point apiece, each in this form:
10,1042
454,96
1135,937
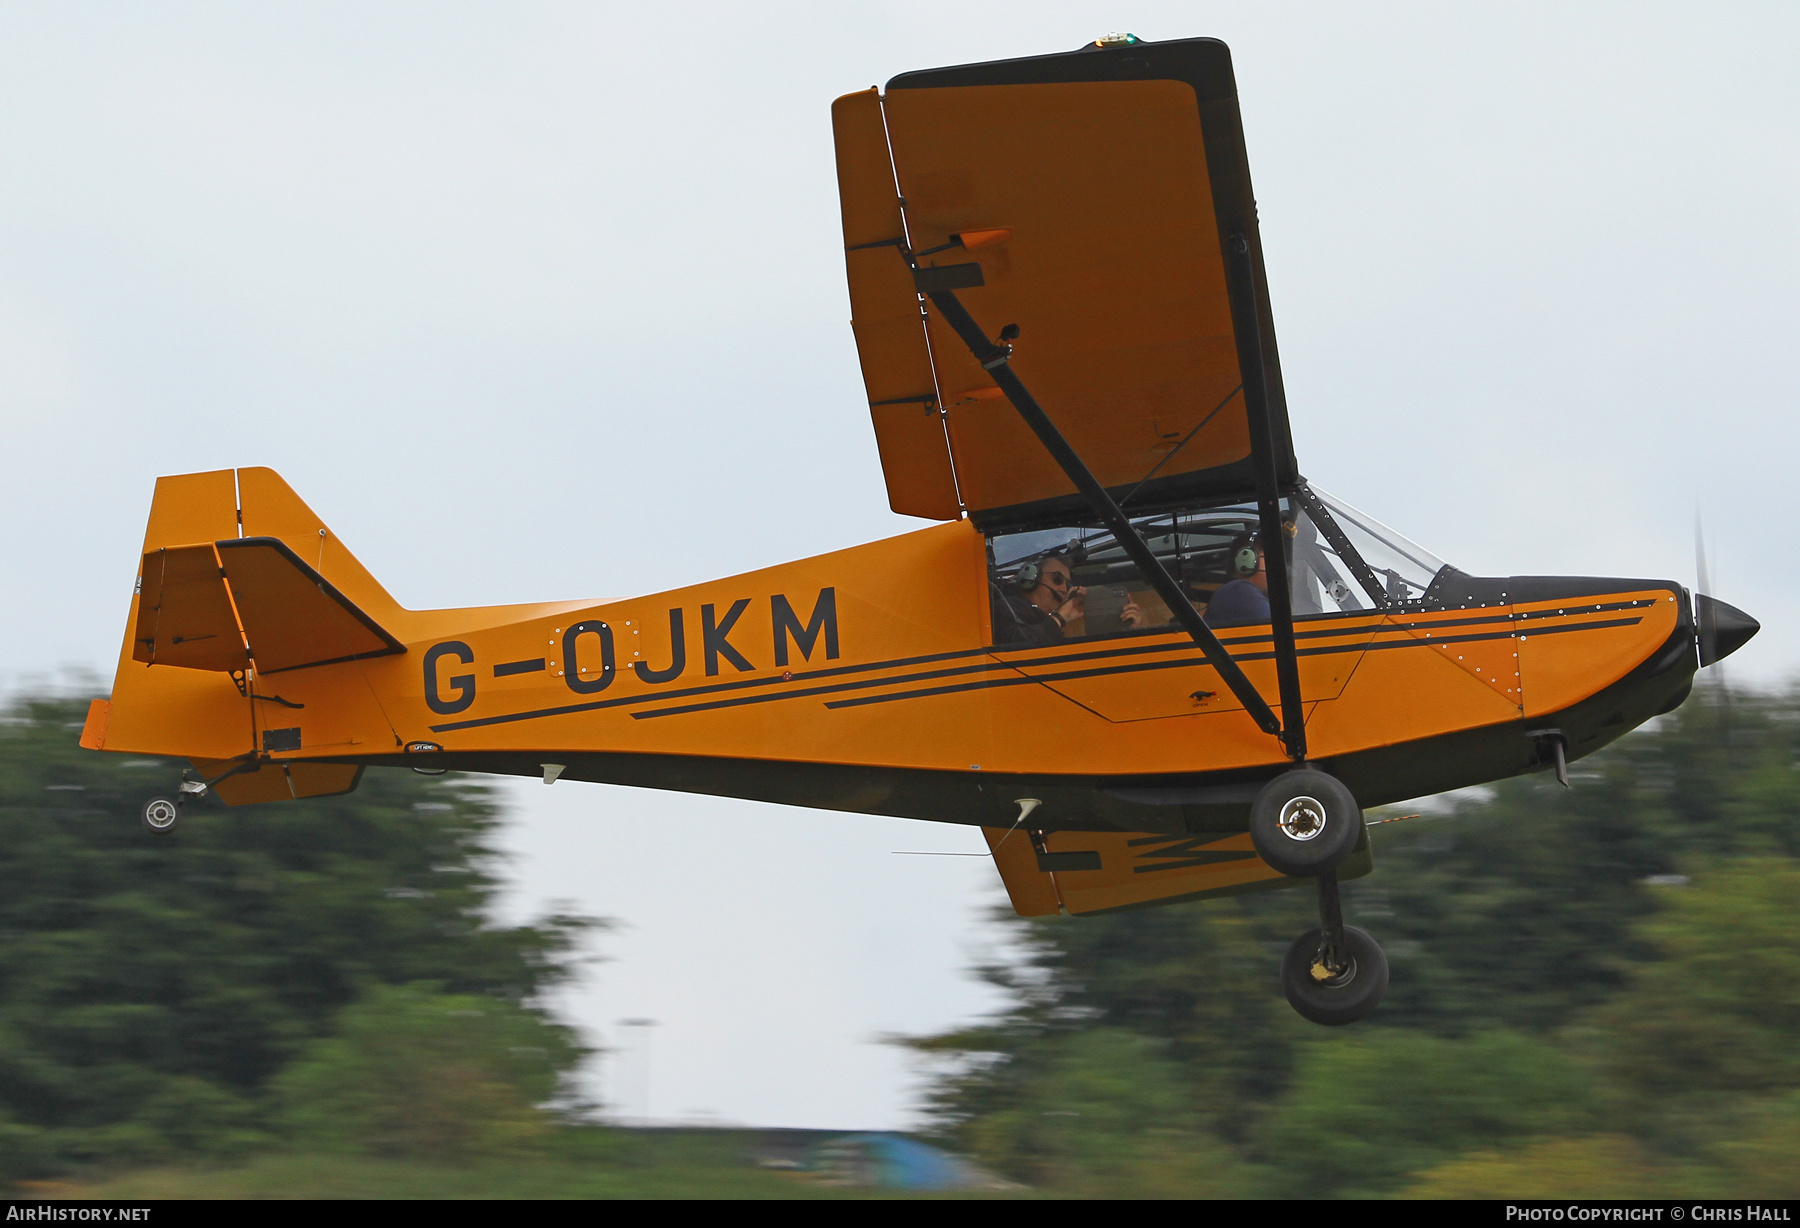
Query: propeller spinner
1722,628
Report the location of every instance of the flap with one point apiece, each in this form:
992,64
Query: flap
292,616
1086,198
220,605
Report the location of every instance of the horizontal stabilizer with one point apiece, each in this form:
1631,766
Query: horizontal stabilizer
277,782
184,613
220,605
292,616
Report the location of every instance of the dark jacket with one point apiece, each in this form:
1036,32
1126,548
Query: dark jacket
1237,604
1018,621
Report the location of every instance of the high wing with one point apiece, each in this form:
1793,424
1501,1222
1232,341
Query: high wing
1091,199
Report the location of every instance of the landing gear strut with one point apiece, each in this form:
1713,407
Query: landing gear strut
1304,823
1334,974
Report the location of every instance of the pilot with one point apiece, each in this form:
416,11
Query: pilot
1039,602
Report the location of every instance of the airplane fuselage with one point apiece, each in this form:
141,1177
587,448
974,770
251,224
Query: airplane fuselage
868,680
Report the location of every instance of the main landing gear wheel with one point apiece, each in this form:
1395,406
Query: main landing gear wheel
160,813
1337,996
1304,823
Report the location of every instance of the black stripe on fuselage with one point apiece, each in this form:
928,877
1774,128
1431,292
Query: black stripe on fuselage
1071,675
710,689
1362,635
841,670
1361,631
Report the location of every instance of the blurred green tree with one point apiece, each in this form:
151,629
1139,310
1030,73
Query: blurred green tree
1110,1115
1599,1166
1520,906
411,1072
1193,980
1530,929
1760,1157
1719,1012
1753,1156
152,985
1696,1072
1363,1111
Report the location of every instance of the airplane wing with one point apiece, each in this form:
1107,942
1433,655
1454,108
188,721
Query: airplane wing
1088,198
1081,872
218,605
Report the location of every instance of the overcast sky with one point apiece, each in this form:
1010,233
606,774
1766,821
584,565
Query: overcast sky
536,302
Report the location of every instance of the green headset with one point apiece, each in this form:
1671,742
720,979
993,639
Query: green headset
1245,549
1028,575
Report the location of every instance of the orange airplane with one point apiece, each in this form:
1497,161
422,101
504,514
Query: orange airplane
1139,651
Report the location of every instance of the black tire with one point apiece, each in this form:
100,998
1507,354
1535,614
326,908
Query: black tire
1305,823
1338,1000
160,813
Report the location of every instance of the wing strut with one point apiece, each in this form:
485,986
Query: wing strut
993,359
1246,318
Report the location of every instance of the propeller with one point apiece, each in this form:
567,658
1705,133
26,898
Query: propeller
1722,628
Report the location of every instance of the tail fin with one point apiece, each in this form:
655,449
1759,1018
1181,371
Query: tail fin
238,572
268,507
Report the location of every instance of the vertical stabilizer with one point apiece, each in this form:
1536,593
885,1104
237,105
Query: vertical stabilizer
203,713
272,509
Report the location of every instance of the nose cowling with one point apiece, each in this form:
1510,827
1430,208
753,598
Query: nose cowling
1723,628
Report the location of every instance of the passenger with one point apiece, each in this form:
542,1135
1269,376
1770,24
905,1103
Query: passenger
1038,603
1240,601
1245,598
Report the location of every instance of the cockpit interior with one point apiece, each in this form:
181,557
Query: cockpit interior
1339,561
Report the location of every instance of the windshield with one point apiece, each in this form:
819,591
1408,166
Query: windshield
1077,580
1403,569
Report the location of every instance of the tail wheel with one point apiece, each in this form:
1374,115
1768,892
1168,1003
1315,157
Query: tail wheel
1305,823
1329,996
160,813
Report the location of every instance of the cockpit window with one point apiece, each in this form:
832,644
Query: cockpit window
1059,583
1402,569
1323,572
